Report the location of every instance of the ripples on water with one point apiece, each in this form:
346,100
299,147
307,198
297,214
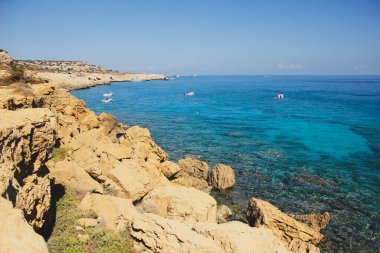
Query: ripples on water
317,150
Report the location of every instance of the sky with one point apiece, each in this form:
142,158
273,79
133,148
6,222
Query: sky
284,37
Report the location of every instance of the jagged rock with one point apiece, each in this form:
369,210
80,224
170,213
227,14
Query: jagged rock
15,234
74,177
116,212
193,173
5,57
135,180
34,199
26,138
87,222
237,237
143,146
222,177
317,221
222,213
261,213
111,126
169,168
157,234
180,203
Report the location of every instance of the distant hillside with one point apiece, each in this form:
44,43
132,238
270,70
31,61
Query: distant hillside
61,66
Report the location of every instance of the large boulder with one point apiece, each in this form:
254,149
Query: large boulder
16,235
70,175
153,233
193,173
169,168
237,237
135,180
180,203
294,234
144,148
116,213
222,177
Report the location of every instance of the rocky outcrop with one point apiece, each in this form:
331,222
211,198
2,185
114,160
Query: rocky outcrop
16,235
5,57
115,212
27,136
180,203
317,221
135,180
297,236
157,234
222,177
193,173
72,176
237,237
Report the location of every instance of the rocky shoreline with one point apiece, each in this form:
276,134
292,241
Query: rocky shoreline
123,182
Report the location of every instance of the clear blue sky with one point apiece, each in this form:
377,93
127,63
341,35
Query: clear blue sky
198,36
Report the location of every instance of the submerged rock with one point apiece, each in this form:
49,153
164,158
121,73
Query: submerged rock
297,236
222,177
317,221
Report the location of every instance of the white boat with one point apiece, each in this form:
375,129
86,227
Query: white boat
106,100
109,94
189,93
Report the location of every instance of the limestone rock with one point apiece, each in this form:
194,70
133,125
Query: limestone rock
135,180
317,221
169,168
261,213
74,177
116,212
193,173
180,203
237,237
222,213
26,138
34,199
143,146
5,57
222,177
15,234
157,234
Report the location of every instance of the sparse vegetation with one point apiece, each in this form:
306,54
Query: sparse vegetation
59,154
64,238
17,74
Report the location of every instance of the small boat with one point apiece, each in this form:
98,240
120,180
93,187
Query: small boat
106,100
109,94
189,93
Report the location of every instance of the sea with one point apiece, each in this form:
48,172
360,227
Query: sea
316,150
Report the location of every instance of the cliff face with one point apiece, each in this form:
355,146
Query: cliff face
118,173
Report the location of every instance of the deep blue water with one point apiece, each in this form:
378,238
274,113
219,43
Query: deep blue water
316,150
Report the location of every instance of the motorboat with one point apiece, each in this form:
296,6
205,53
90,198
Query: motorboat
106,100
109,94
189,93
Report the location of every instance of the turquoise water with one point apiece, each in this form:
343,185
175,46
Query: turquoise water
316,150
